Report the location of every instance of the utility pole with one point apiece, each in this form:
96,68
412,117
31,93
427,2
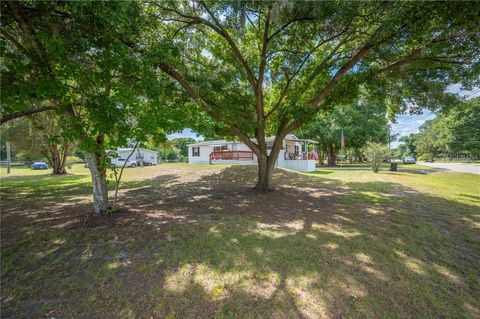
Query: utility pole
8,156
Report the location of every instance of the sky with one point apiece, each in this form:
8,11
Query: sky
405,123
185,133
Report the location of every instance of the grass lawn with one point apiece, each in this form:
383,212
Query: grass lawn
384,166
194,241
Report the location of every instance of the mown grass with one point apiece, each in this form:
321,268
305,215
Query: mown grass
349,244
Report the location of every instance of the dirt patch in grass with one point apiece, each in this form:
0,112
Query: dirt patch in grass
198,242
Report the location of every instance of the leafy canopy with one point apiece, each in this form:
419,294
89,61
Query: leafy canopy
80,60
259,68
360,122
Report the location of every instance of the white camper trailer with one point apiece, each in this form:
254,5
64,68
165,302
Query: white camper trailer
140,156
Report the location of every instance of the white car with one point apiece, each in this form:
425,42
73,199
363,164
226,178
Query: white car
119,162
409,160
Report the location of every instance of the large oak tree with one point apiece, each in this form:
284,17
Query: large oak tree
79,61
260,68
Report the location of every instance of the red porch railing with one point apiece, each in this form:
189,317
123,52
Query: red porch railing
231,155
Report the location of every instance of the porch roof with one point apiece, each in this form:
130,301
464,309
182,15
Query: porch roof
291,137
212,143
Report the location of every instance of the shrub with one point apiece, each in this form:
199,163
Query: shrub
375,152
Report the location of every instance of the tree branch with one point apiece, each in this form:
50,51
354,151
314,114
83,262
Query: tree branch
315,101
297,71
17,11
15,115
400,62
259,107
245,139
217,27
184,83
206,106
283,27
13,41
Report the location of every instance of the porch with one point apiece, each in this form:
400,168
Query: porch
231,157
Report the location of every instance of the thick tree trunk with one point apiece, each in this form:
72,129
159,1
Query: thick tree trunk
266,163
332,155
58,159
265,170
99,181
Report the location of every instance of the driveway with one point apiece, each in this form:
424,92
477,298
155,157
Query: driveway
457,167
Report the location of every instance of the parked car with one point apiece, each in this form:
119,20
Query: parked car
409,160
430,160
39,165
119,162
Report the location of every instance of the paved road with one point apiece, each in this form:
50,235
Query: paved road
457,167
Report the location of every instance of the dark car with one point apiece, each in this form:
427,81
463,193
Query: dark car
39,165
430,160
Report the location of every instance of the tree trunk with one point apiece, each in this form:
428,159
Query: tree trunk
265,170
99,181
358,155
9,160
58,159
266,163
332,155
374,166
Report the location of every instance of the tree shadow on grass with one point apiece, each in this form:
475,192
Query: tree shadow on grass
314,248
32,203
471,197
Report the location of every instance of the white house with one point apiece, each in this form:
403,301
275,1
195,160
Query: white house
140,154
294,153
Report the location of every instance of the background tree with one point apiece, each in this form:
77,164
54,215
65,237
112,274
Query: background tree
25,144
55,147
465,122
360,122
376,153
181,143
290,60
39,137
410,145
453,133
427,142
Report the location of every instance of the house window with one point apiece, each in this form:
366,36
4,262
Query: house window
220,148
196,151
297,149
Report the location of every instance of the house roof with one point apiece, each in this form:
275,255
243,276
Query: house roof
268,139
129,149
212,143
